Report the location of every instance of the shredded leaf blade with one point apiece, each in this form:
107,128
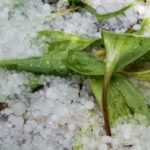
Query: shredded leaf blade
59,40
124,100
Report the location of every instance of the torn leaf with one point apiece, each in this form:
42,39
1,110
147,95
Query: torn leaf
59,40
124,100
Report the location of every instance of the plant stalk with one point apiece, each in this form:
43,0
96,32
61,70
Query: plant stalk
105,105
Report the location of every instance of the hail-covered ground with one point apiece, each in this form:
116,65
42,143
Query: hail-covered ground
62,115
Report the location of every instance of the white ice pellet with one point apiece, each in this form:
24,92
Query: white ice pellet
137,27
11,83
15,121
89,105
18,108
103,147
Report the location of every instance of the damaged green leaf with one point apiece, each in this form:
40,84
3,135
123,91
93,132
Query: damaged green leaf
58,40
124,99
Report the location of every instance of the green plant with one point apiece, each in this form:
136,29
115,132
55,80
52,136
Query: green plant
66,54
